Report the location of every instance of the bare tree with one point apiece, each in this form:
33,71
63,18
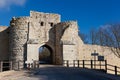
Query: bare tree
110,36
113,36
94,36
84,37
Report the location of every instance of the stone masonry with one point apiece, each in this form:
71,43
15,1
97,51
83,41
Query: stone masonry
25,35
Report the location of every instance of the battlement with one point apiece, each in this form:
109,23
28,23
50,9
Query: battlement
70,24
33,13
22,18
67,22
2,28
38,17
45,17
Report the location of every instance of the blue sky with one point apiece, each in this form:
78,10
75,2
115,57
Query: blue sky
88,13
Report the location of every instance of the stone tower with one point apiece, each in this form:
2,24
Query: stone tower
18,36
41,33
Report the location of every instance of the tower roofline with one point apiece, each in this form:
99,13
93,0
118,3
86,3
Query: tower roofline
43,13
3,26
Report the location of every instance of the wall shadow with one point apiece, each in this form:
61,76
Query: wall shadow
4,44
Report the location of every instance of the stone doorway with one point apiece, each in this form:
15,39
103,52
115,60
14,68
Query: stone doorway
45,55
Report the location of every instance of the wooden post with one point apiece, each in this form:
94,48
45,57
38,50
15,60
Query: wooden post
31,65
73,63
83,63
106,66
37,64
67,63
10,65
78,62
63,63
1,66
115,70
91,64
28,66
18,65
100,65
95,63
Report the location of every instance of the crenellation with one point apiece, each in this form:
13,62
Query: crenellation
45,17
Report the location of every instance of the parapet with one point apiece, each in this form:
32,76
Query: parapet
33,13
20,18
37,16
2,28
68,22
46,16
71,24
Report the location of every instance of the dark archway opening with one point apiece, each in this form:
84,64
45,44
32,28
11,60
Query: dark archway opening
45,55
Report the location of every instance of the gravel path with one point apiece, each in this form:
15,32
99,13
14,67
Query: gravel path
48,72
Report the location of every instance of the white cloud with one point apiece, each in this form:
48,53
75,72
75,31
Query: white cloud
8,3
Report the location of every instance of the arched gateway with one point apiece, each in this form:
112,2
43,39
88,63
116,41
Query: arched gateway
42,37
45,55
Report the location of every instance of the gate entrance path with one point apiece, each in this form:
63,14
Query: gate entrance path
53,72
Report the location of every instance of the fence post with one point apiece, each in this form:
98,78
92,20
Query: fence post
73,63
63,62
106,66
100,64
115,70
91,64
67,63
34,66
1,66
18,65
31,65
83,63
11,65
37,64
95,64
78,62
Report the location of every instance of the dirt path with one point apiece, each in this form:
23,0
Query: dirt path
48,72
12,75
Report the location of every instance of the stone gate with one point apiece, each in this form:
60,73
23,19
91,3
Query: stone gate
25,36
28,34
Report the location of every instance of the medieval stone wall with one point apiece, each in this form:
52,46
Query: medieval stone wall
67,40
28,34
86,50
4,43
